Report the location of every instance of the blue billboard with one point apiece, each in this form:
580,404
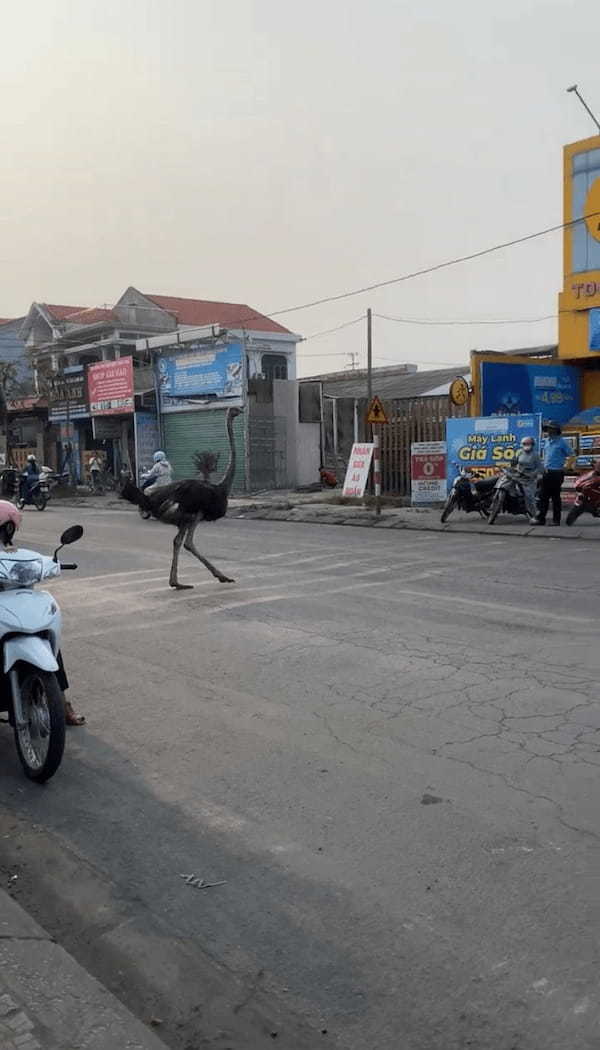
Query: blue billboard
201,370
487,443
510,388
595,329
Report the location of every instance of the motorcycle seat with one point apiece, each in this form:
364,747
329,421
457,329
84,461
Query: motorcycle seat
486,484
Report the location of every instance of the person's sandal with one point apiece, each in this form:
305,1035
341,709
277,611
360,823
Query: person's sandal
71,718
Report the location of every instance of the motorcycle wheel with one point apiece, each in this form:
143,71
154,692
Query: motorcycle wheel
144,514
496,507
20,503
40,502
574,513
40,740
448,508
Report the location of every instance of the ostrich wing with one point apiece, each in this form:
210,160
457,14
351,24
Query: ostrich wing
188,499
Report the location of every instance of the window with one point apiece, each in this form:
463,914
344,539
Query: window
274,366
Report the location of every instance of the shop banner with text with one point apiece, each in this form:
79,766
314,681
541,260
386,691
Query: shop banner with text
198,371
428,471
110,387
487,443
357,473
509,388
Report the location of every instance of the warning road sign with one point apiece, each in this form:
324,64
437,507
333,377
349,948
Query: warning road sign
376,413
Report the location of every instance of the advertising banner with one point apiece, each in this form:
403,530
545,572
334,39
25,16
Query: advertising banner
487,443
67,396
357,472
509,388
595,329
428,472
110,387
147,440
200,370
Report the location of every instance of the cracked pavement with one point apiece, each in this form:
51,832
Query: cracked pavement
386,744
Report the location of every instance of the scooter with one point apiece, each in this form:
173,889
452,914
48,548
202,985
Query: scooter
587,497
32,676
469,492
508,496
37,496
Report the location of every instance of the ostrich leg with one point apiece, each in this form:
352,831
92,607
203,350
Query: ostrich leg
190,546
173,581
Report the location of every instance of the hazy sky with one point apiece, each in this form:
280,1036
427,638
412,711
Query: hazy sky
273,153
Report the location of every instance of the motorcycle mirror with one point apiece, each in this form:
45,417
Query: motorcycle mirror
70,535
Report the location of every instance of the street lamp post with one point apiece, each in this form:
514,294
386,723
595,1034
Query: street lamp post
575,90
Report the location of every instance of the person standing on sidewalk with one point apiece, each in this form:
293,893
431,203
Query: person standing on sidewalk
556,453
530,466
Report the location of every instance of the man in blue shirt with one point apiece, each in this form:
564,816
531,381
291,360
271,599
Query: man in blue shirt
556,452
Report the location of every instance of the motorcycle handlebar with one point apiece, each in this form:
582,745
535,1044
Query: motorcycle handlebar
68,565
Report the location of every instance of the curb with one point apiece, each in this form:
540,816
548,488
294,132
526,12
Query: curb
48,1000
387,522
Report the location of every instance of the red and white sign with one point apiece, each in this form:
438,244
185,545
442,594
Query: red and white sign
428,471
357,473
110,387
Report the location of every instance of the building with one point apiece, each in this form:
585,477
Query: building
72,347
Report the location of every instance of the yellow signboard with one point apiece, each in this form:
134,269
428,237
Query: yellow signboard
376,413
581,250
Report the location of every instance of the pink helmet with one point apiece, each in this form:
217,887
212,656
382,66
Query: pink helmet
8,512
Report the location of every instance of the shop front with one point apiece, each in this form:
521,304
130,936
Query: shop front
111,403
198,382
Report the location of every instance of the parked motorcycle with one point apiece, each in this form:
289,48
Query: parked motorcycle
508,496
587,496
469,492
32,676
51,478
37,496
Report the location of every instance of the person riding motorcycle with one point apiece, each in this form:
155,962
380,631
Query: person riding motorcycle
29,479
10,522
529,465
158,475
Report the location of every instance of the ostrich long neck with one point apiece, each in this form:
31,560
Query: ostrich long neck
227,479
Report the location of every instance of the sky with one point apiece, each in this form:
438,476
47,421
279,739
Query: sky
273,153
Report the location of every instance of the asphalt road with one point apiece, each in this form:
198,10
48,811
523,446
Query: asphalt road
385,745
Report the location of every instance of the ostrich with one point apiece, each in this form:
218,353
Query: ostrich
186,503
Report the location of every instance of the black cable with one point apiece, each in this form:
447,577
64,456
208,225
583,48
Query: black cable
423,321
437,266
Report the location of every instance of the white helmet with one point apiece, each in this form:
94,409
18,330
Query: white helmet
527,441
158,457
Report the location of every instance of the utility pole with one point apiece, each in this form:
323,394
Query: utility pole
576,91
369,355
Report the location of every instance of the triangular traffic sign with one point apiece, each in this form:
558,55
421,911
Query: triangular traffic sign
376,413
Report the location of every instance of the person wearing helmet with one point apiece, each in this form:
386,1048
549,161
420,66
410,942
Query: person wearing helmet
556,453
30,478
530,467
10,521
158,475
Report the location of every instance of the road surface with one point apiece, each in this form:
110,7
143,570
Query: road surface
383,746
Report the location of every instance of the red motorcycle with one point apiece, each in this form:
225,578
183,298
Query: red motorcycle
587,495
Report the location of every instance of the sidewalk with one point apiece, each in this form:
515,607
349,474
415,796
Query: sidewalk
48,1002
422,519
314,509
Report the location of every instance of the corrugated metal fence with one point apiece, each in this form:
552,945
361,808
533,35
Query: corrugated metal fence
411,419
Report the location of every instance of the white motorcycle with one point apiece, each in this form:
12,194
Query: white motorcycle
32,676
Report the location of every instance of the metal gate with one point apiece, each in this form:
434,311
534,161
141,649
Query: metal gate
267,452
410,419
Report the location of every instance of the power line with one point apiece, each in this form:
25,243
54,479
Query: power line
329,331
412,274
424,321
438,266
